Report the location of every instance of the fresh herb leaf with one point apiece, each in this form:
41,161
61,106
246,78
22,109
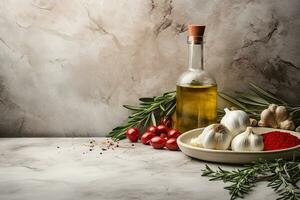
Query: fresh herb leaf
283,176
149,111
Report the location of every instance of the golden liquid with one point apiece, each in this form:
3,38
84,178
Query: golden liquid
196,106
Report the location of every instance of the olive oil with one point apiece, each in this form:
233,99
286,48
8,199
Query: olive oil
196,101
196,106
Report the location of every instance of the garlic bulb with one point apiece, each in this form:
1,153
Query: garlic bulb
247,141
235,120
215,136
276,117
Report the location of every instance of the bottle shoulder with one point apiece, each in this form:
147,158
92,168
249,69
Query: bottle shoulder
196,77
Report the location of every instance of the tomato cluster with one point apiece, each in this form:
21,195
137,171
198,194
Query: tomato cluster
158,137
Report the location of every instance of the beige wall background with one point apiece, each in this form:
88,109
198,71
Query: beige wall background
66,67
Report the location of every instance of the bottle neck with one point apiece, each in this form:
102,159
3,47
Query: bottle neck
195,55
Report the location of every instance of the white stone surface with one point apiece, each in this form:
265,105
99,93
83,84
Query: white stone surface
34,168
66,67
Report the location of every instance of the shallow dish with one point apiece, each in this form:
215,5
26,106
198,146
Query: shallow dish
235,157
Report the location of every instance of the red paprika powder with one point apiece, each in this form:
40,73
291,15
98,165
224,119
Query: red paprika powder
279,140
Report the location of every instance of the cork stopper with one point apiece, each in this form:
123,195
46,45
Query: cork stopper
196,30
195,34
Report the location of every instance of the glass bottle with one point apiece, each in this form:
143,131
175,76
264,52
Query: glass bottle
196,98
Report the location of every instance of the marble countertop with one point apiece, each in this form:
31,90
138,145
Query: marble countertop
72,168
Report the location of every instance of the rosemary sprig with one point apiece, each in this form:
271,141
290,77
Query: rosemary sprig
284,180
283,176
256,101
149,112
243,179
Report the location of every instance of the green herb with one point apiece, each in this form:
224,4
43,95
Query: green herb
283,176
256,101
151,109
149,112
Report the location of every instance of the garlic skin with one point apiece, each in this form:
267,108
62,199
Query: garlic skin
247,141
287,125
297,129
196,142
236,121
253,122
276,117
215,136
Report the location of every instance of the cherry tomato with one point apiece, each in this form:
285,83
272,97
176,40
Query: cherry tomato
157,142
147,136
163,135
166,121
132,134
153,129
171,144
162,129
173,133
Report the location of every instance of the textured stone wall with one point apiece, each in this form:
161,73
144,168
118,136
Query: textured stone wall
66,67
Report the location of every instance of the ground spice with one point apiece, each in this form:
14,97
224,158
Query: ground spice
279,140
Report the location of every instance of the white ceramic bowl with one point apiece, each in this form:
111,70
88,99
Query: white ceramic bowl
236,157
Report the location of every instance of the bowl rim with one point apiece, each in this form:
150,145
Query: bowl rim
181,143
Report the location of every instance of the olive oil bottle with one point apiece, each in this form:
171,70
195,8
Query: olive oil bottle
196,100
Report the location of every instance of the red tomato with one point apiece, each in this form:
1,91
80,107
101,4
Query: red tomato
173,133
163,135
171,144
132,134
162,129
167,122
153,129
147,136
157,142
